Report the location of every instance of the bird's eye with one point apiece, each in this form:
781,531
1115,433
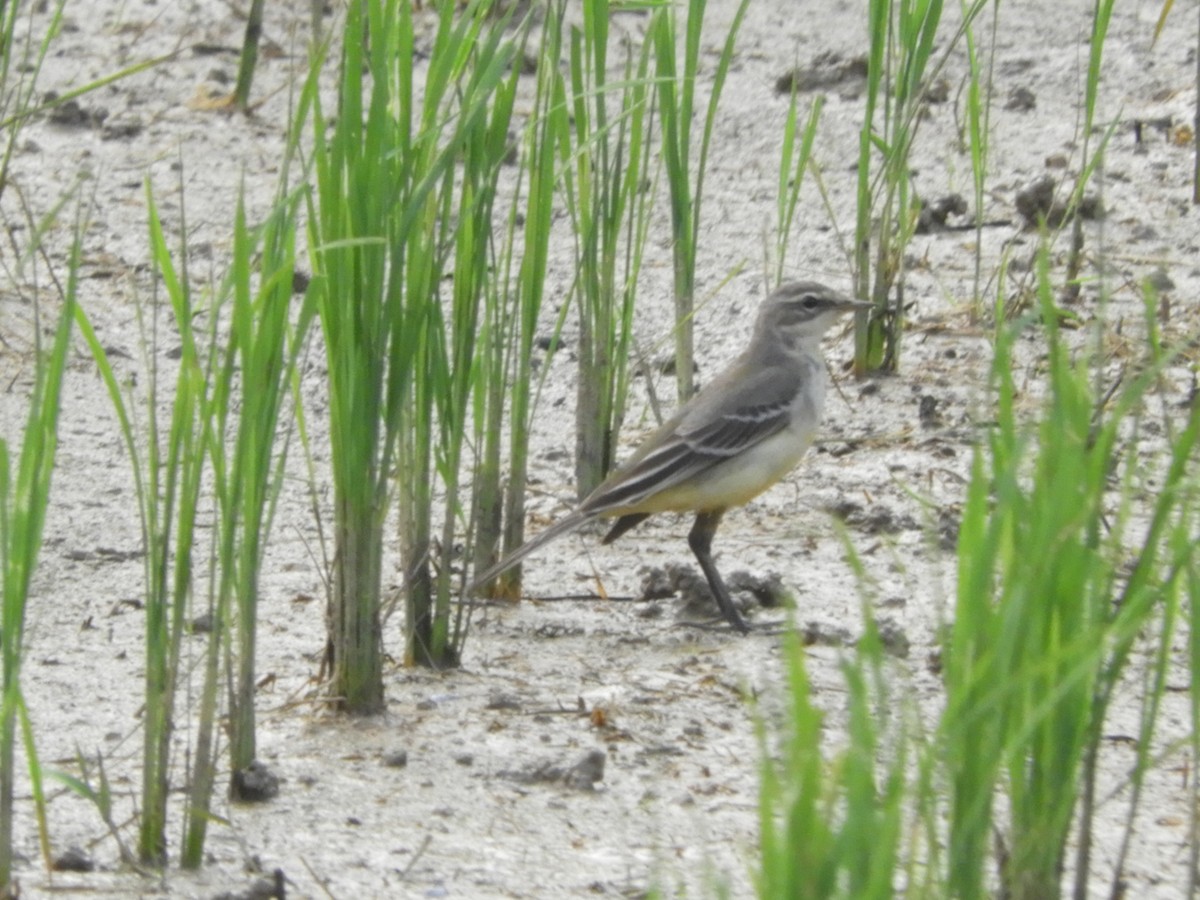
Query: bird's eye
811,303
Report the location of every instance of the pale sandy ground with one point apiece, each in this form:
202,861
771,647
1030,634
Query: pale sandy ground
677,806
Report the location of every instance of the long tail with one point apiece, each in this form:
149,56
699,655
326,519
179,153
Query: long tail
563,526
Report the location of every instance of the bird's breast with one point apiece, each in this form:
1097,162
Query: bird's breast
739,479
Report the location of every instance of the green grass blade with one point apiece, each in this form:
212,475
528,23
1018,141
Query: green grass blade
23,503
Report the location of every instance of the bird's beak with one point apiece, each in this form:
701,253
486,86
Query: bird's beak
850,305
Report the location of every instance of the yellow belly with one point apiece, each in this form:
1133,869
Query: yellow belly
734,482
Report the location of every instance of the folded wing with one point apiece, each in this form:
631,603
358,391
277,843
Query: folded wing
724,422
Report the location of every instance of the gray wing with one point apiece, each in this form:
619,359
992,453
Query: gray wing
729,416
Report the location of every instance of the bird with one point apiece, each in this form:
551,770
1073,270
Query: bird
738,436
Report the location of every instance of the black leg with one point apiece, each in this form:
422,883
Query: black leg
700,540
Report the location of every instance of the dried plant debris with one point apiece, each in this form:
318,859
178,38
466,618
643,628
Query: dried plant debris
503,700
827,69
934,216
927,411
697,600
947,528
72,114
768,590
254,784
877,519
73,859
937,92
1043,200
747,589
582,776
659,582
1021,99
272,888
893,637
826,635
396,759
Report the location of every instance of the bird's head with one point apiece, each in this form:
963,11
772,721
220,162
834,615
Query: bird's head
797,313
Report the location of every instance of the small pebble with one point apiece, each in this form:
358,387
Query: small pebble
254,784
396,760
893,637
73,859
504,701
584,774
1021,99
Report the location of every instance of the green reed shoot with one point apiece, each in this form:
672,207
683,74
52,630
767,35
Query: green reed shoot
24,493
1145,593
168,488
249,55
1076,546
167,481
1101,15
360,178
901,35
250,373
24,496
793,163
609,208
380,238
978,135
512,321
902,38
1192,582
450,354
676,97
93,785
257,360
1047,612
833,826
20,65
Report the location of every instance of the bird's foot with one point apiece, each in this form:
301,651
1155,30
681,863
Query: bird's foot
720,623
735,620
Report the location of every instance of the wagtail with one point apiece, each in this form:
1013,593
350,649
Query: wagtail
729,443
